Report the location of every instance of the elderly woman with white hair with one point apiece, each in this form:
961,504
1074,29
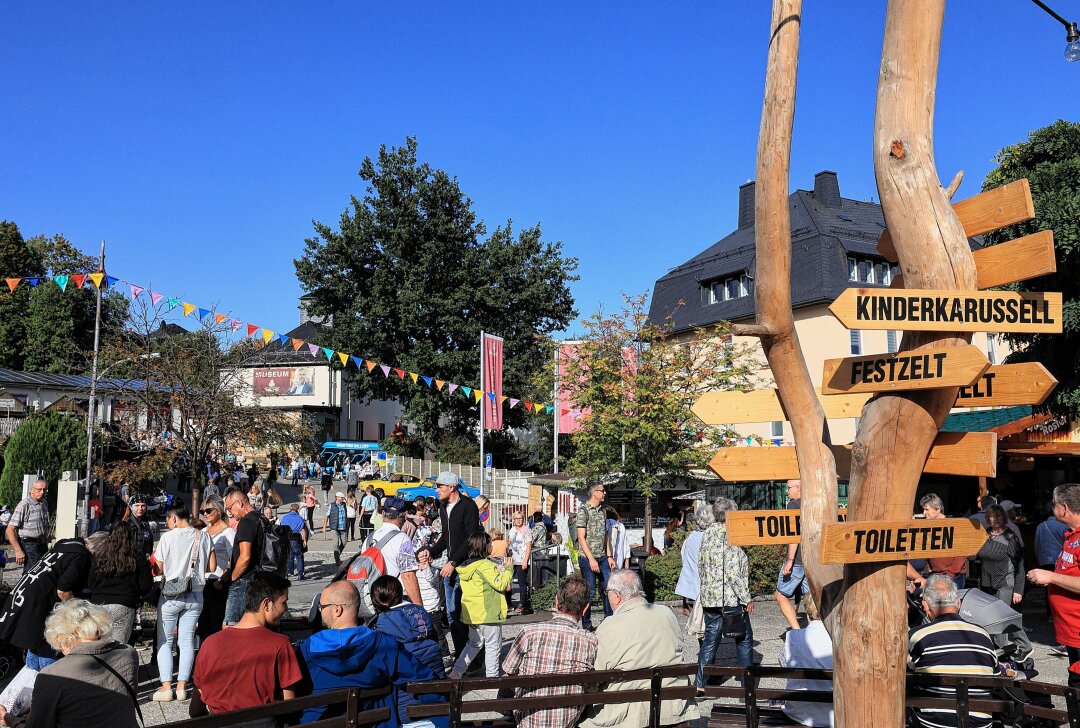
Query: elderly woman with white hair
93,683
725,592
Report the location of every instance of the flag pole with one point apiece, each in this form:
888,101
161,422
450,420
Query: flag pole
555,459
482,473
91,415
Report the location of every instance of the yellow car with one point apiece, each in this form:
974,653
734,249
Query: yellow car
389,486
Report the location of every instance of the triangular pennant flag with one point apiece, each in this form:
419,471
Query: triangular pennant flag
267,335
439,384
537,407
477,395
235,324
283,340
174,302
188,308
491,396
528,405
357,361
97,278
78,279
513,402
155,297
111,281
451,387
344,358
427,380
502,399
329,354
564,412
203,313
33,281
414,376
136,290
296,344
467,391
61,281
370,365
385,370
12,282
220,318
313,349
549,409
400,373
252,328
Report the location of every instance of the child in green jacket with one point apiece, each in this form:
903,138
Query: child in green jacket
483,605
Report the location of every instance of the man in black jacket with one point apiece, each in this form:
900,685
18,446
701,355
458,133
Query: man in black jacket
460,519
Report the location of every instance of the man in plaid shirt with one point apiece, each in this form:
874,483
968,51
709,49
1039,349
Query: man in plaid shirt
557,647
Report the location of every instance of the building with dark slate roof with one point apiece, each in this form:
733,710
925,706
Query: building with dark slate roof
834,246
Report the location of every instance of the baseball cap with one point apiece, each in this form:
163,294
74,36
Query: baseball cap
339,494
137,498
447,478
394,507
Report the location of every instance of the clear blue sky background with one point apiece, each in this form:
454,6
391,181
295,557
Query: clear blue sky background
200,139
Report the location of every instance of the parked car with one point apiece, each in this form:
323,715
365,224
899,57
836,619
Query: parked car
391,485
428,489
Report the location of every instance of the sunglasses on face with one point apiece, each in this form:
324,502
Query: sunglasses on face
208,511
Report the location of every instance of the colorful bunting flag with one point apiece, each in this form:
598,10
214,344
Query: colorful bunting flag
451,387
502,399
564,412
385,370
369,364
235,324
78,279
467,391
357,361
439,384
203,313
12,282
110,281
136,290
537,407
173,303
528,406
61,281
33,281
220,318
296,344
188,308
267,335
427,380
313,349
549,409
329,354
344,358
251,328
400,373
283,340
513,402
155,297
97,278
491,396
477,395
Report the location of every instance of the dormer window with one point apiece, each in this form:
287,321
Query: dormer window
862,269
726,289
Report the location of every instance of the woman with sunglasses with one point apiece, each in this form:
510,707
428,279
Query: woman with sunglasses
215,594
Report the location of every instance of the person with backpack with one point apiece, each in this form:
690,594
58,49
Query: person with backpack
337,520
245,554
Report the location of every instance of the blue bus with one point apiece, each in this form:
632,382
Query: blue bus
335,453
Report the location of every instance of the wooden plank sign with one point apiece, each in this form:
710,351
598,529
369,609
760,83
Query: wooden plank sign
954,366
953,453
1016,260
866,541
763,405
981,213
764,528
927,310
1006,385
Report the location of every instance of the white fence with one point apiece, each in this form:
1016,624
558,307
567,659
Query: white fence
509,486
8,425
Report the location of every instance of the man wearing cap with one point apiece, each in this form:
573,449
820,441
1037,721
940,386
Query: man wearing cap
29,527
460,519
397,548
338,523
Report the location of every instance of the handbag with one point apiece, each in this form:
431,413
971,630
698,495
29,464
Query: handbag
734,618
176,588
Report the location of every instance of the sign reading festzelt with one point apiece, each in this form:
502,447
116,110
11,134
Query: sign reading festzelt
859,542
763,528
925,310
956,366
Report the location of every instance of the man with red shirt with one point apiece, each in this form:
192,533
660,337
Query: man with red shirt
249,664
1064,580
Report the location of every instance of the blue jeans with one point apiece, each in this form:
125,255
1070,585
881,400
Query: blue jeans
296,557
459,632
182,615
590,583
39,662
714,622
234,605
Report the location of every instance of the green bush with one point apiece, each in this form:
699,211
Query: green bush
543,599
51,443
662,572
765,563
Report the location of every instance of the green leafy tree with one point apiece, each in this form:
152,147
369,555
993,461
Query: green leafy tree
1050,160
17,260
637,383
408,278
51,443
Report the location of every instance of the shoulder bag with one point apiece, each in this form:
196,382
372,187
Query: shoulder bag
734,618
176,588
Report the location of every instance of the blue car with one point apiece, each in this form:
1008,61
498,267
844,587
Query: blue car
413,492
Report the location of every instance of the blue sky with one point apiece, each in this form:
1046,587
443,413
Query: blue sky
200,139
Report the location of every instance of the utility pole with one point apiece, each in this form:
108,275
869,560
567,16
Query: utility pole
91,415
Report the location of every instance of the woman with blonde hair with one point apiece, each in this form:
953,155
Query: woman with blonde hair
93,683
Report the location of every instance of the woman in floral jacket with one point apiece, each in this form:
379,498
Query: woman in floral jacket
725,576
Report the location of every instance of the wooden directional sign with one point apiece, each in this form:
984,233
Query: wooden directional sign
763,528
865,541
1006,385
763,405
990,210
953,453
927,310
1016,260
955,366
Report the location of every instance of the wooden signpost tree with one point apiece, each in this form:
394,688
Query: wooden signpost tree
857,572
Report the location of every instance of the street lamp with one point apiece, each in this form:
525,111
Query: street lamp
1072,35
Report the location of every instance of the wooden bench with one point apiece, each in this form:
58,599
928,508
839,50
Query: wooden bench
351,698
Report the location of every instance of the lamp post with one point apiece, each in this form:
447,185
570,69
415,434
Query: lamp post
1072,34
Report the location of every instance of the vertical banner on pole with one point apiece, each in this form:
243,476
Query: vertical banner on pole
492,382
568,423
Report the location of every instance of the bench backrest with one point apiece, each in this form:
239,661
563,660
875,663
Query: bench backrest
352,698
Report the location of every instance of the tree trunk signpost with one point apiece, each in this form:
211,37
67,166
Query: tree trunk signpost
856,569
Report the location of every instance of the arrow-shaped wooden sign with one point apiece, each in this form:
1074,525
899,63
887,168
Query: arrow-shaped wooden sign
866,541
986,211
928,310
1007,385
763,405
954,366
763,528
953,453
1016,260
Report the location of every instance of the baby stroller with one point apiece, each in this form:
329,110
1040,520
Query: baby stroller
1003,623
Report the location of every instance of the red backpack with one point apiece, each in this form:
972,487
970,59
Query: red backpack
365,568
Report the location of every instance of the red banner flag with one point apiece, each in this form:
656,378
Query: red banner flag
568,412
492,366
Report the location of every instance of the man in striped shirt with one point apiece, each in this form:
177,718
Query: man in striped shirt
949,646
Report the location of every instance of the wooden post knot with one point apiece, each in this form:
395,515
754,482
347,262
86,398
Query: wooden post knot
896,149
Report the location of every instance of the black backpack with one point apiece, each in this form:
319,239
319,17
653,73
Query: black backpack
274,551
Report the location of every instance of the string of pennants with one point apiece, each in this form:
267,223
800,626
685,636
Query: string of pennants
264,336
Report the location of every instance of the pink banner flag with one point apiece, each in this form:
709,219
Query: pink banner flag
156,297
568,414
492,365
135,291
236,324
313,349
